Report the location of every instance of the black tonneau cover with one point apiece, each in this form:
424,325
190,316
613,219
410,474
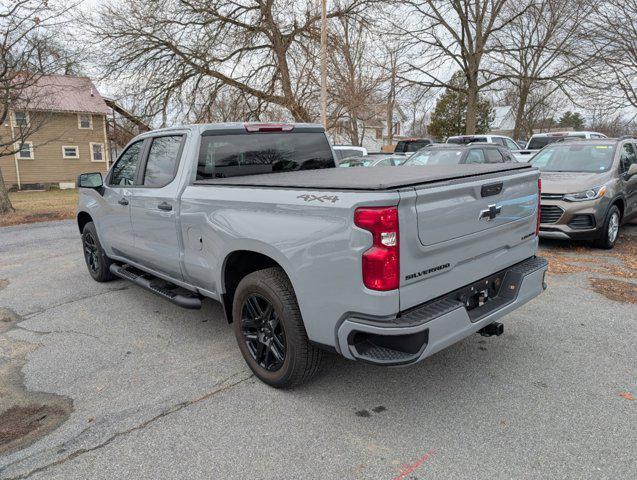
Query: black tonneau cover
372,178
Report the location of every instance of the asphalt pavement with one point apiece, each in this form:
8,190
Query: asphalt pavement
107,381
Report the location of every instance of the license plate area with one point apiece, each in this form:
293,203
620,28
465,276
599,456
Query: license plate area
480,293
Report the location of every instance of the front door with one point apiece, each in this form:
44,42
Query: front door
115,222
154,206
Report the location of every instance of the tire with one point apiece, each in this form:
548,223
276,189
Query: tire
610,230
277,323
97,262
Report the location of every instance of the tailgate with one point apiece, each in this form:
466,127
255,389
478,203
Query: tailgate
456,233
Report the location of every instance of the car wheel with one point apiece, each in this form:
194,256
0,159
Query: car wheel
270,331
610,230
96,260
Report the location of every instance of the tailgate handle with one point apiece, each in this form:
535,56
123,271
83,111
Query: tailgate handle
489,190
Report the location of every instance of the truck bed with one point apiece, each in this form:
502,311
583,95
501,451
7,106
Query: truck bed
375,178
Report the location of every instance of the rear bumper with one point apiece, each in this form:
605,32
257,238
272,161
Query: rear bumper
433,326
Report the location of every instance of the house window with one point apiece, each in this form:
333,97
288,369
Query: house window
84,122
25,152
21,119
70,152
379,133
97,152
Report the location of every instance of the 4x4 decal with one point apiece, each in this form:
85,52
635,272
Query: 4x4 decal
319,198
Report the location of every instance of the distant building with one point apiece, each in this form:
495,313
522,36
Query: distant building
503,121
374,131
71,137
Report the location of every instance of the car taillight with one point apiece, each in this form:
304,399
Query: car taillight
381,262
539,194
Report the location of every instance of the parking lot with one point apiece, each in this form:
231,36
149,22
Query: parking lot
110,381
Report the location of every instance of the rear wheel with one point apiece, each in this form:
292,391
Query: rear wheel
610,229
96,260
270,332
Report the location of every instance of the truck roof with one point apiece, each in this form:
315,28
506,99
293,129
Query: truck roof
377,178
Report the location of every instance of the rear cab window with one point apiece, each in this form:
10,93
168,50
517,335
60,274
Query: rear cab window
241,153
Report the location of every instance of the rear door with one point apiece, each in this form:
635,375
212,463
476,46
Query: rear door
115,228
154,206
454,234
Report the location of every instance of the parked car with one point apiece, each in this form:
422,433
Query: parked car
540,140
411,145
589,188
373,160
305,257
453,154
348,151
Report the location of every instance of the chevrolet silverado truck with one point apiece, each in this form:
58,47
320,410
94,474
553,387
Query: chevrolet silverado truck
385,265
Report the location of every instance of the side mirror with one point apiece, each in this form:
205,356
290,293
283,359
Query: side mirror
90,180
632,170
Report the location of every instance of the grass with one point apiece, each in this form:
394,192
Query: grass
40,206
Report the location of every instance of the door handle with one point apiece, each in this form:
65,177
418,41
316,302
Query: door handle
167,207
122,201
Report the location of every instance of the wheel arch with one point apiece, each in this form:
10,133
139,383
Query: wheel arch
82,219
236,265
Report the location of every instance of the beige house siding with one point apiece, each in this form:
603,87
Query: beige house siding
49,165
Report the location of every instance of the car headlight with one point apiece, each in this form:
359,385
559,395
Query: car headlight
590,194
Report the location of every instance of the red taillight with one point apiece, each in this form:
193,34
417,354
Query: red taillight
381,263
268,127
539,195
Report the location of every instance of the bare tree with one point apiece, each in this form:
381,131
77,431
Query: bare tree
613,30
167,51
542,51
457,35
354,80
23,28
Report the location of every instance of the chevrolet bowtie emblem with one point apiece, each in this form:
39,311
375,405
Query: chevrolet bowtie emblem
491,212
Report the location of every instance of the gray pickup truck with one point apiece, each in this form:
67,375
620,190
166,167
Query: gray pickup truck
384,265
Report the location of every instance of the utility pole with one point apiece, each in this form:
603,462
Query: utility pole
324,63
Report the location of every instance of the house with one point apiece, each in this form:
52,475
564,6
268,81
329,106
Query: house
68,134
503,120
373,131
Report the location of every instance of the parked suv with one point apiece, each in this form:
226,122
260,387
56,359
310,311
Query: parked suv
411,145
589,188
450,154
541,140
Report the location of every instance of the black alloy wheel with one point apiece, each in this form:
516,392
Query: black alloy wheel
263,332
90,252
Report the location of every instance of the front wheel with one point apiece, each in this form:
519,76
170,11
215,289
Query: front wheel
270,331
96,260
610,229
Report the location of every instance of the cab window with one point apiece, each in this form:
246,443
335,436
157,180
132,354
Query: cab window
125,169
493,155
163,160
475,155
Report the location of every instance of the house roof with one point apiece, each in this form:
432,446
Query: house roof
64,93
